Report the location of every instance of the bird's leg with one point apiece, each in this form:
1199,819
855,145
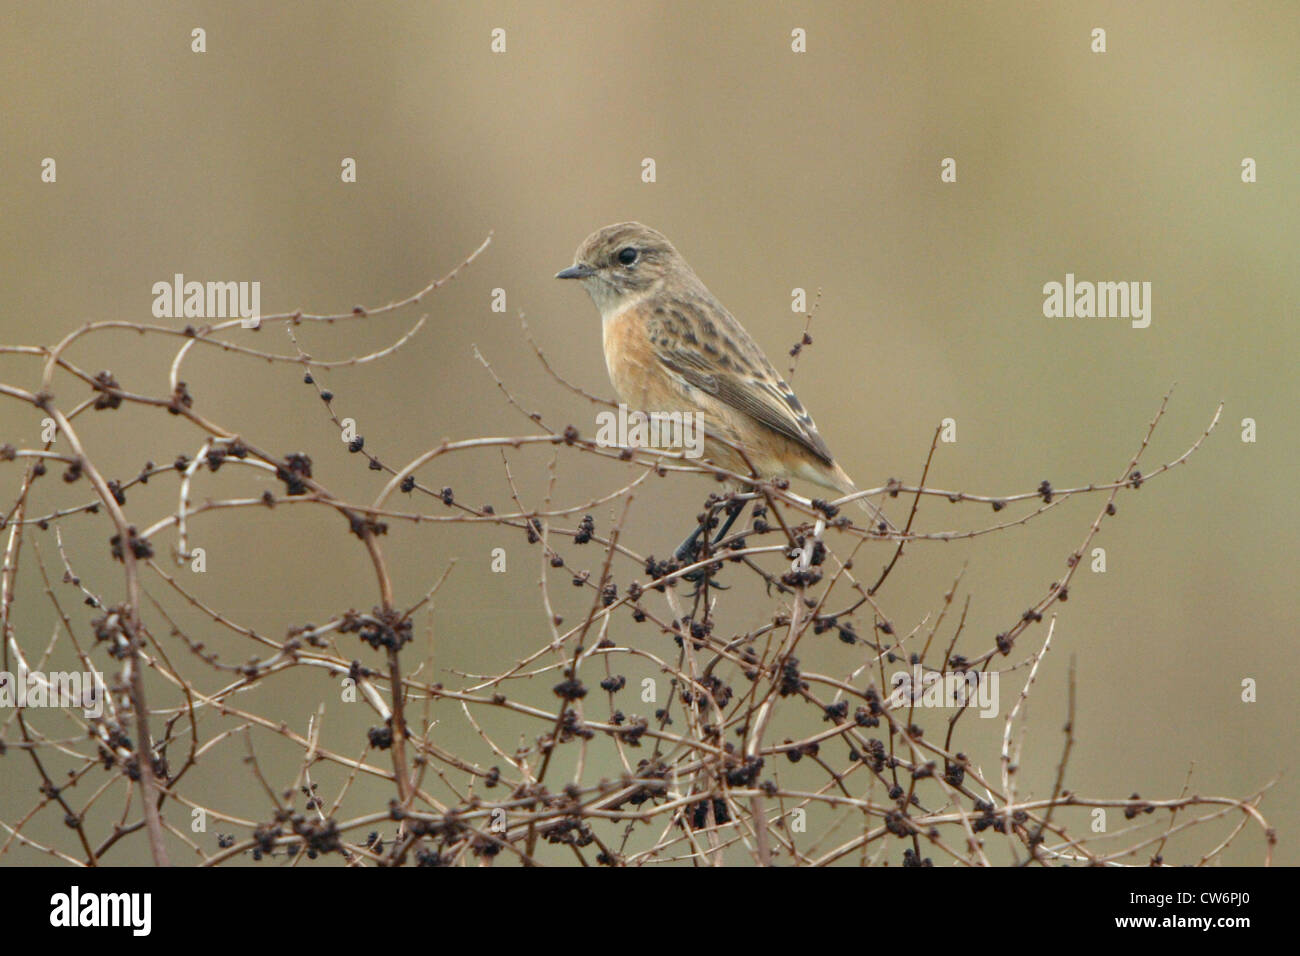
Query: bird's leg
686,550
691,550
734,509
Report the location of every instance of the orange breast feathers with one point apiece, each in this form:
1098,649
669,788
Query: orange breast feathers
638,376
646,384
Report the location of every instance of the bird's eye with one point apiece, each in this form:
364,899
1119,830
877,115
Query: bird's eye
627,256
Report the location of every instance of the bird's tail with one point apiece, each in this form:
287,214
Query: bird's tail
837,478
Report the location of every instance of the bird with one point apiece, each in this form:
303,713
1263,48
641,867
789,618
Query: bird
671,346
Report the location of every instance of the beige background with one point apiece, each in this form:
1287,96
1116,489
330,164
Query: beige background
775,170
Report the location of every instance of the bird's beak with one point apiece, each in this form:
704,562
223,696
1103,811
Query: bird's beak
579,270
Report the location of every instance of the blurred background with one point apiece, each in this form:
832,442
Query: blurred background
775,170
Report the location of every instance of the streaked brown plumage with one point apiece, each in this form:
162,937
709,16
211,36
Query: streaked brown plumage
670,346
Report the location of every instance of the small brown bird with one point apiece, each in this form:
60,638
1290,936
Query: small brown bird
670,346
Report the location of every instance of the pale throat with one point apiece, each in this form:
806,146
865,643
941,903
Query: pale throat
610,302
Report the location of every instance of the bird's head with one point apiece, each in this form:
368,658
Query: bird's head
623,262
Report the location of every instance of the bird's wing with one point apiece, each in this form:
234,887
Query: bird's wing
701,342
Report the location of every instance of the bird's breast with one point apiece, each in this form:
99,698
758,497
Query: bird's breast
634,370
